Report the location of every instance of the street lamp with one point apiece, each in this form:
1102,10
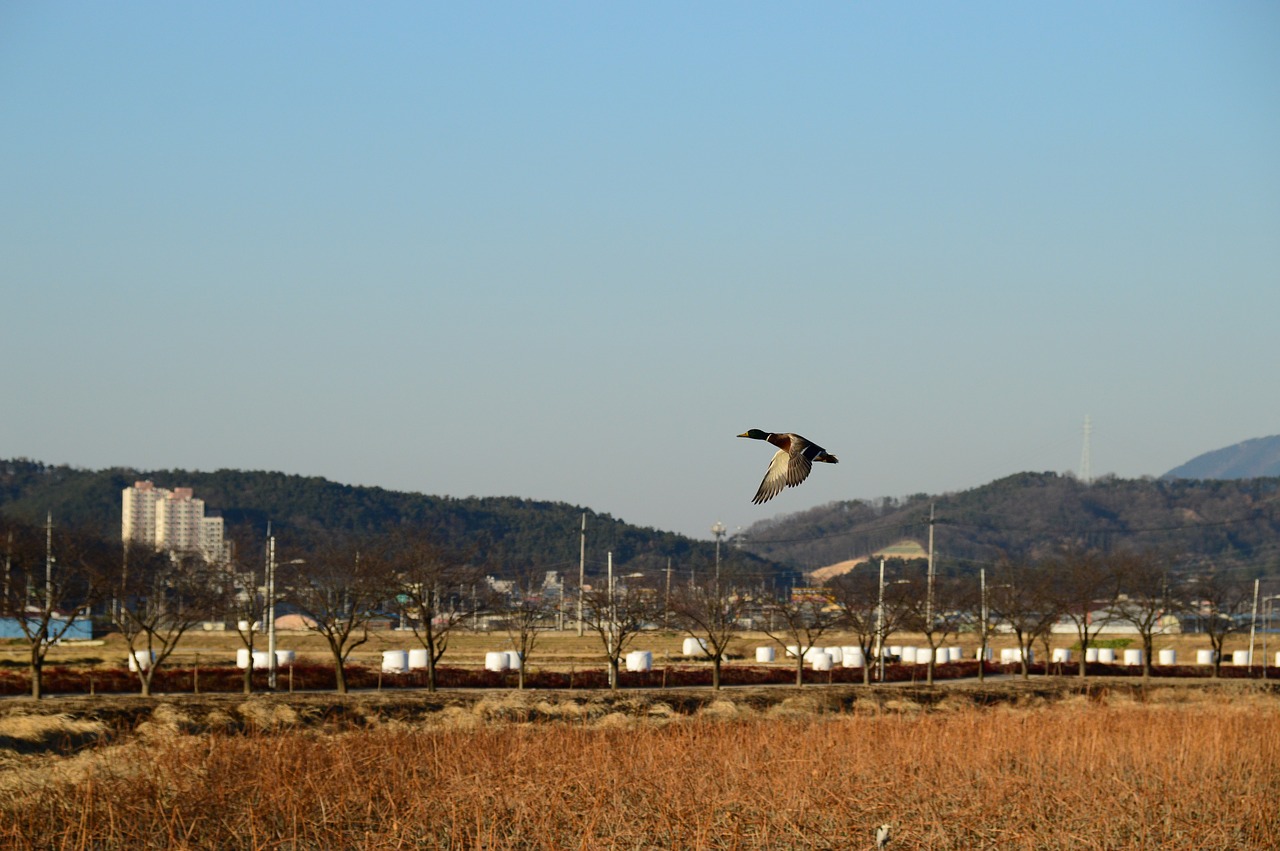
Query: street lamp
880,622
718,530
271,610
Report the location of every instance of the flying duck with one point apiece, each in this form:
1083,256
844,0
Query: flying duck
791,463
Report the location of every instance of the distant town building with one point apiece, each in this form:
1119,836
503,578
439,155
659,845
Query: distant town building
171,520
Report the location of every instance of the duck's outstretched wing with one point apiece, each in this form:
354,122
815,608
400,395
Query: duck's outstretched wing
786,470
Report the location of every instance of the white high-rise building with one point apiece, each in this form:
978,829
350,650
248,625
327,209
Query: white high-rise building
171,520
138,521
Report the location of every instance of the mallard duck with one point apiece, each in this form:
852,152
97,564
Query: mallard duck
791,463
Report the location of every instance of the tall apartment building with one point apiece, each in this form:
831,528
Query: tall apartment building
171,520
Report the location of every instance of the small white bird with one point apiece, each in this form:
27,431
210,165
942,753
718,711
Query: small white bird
791,463
882,835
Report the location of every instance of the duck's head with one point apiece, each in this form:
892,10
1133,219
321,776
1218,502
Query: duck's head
755,434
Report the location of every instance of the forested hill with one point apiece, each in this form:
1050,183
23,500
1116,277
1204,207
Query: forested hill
504,531
1228,523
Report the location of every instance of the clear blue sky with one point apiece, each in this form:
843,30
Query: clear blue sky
568,251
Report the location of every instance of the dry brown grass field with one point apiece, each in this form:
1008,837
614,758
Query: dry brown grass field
1040,765
1054,762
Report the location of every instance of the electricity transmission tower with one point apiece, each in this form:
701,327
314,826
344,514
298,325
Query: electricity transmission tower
1086,463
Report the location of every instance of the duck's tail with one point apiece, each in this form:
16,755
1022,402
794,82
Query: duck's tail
829,458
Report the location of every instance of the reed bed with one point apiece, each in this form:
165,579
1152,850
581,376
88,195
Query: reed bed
1075,775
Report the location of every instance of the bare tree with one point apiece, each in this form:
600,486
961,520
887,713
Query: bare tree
1148,597
160,596
528,613
246,599
618,612
940,613
434,583
798,620
868,614
709,612
51,579
340,588
1018,599
1219,600
1083,584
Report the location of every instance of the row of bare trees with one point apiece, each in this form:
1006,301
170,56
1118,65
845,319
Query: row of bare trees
340,585
1139,591
1030,600
55,579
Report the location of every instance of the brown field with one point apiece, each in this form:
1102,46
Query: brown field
204,662
1041,765
556,649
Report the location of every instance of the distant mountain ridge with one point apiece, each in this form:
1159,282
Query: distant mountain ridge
1220,523
1223,523
504,532
1249,459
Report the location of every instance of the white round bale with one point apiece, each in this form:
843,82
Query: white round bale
640,660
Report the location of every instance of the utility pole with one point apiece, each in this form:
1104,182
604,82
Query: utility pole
880,625
1253,623
666,609
8,566
271,611
1268,606
609,584
982,649
582,568
48,564
613,624
928,606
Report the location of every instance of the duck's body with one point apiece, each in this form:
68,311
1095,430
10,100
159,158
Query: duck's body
791,463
